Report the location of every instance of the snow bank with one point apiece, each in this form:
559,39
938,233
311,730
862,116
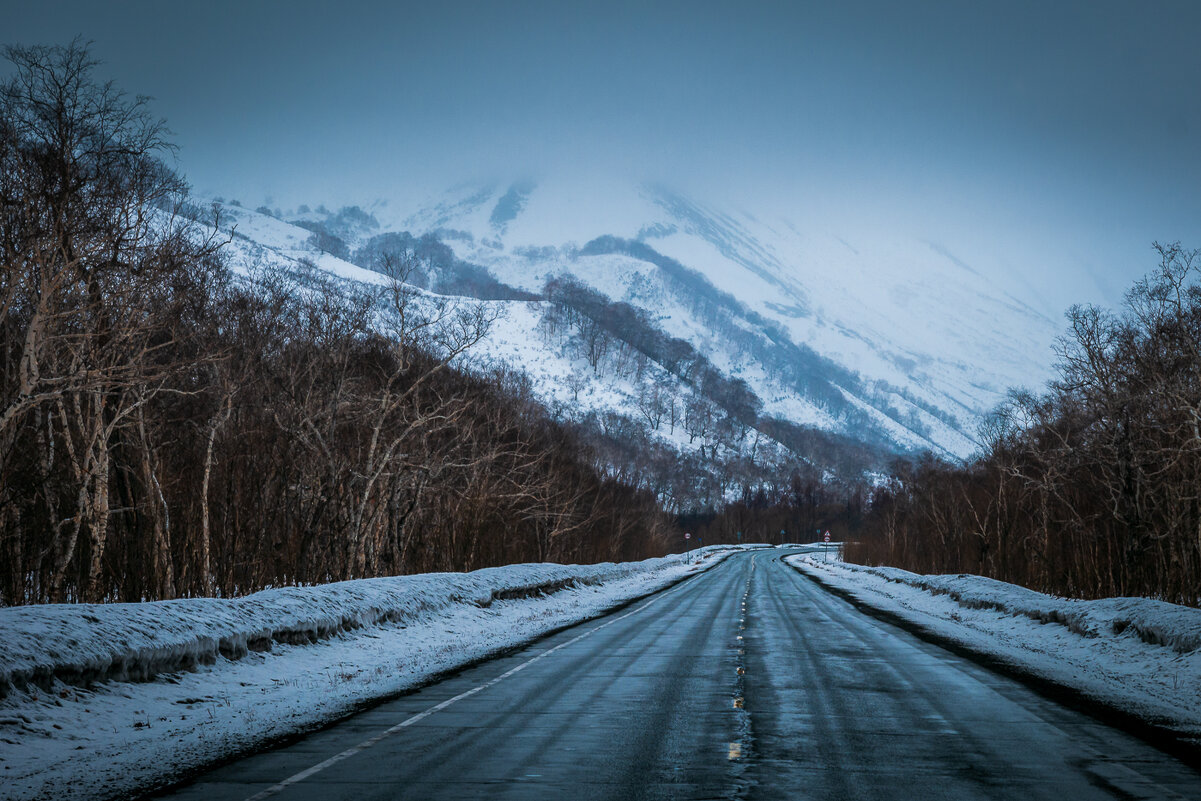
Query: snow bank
1137,656
82,643
107,701
1155,622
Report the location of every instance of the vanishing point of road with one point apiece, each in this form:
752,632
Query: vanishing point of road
747,681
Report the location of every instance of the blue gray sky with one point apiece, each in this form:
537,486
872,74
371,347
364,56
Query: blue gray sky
1064,136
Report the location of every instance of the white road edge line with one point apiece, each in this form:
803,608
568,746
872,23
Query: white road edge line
363,746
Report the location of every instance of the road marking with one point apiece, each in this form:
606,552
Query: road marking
363,746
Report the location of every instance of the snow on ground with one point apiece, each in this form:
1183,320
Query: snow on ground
79,719
1136,655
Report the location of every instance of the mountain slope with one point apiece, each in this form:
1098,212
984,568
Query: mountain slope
933,343
897,344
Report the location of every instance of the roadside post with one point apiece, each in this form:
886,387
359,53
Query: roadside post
688,546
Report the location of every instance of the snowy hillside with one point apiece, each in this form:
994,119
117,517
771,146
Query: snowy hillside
897,344
925,332
562,379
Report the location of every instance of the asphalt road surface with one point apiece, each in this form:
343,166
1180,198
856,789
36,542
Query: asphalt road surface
748,681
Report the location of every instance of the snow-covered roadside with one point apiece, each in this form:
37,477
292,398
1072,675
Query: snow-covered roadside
232,674
1134,655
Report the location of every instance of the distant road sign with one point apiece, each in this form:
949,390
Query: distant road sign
827,537
687,536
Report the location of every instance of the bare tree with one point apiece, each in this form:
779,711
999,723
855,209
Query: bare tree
90,241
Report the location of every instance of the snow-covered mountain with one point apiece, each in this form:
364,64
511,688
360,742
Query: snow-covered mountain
894,342
934,343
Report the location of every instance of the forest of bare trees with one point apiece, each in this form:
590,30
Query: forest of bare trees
169,430
1091,489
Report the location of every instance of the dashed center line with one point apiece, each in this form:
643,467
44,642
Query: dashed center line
735,748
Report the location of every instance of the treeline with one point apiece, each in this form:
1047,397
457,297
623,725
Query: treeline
168,430
684,481
799,506
1091,489
622,336
769,345
721,416
429,263
792,364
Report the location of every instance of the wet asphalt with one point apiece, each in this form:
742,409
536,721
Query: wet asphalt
747,681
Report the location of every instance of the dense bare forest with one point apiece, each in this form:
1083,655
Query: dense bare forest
1091,489
167,430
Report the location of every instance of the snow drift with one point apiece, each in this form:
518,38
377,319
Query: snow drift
79,644
221,677
1154,622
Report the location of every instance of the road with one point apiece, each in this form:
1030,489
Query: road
748,681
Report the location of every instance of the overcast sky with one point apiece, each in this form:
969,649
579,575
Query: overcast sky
1063,136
